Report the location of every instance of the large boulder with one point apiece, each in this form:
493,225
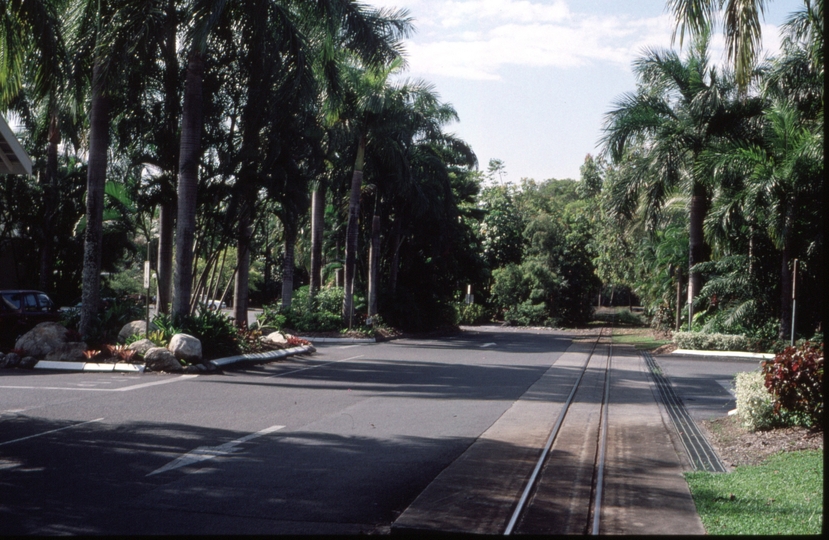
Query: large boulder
134,328
141,346
185,347
277,339
42,339
68,352
160,359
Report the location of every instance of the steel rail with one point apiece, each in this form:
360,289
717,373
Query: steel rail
549,444
597,501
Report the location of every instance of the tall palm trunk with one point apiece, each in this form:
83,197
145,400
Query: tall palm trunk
373,265
317,228
166,216
165,256
786,260
696,240
50,206
352,233
241,287
395,258
189,156
288,262
95,182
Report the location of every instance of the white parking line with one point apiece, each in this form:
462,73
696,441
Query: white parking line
124,389
50,431
313,367
488,345
209,452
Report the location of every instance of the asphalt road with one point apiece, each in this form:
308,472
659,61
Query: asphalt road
339,442
705,383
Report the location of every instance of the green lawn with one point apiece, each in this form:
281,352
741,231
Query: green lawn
783,495
642,340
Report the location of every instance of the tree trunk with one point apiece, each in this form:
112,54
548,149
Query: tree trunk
696,250
373,264
241,288
785,330
317,228
352,232
288,263
168,156
95,182
189,156
47,257
165,256
395,258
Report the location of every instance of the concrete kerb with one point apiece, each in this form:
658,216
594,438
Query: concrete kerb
262,357
338,340
138,368
733,354
120,367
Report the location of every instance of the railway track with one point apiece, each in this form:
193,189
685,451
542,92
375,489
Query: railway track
564,492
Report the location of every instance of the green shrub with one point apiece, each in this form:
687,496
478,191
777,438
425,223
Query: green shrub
711,342
528,314
620,316
104,327
468,314
218,335
795,380
755,407
322,313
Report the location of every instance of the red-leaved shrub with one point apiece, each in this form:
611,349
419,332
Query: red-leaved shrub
795,380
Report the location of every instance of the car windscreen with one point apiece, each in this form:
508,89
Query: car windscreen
44,301
11,300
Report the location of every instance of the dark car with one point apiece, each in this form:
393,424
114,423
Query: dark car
20,311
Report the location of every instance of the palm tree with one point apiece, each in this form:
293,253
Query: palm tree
371,34
106,34
741,27
680,109
32,46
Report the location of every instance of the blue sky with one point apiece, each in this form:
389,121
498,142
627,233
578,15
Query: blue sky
532,79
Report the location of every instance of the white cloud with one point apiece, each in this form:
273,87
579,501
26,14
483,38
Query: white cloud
476,39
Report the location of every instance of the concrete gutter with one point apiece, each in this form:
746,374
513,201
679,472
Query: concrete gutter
736,354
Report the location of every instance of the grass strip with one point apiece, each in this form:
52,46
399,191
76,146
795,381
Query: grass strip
640,341
783,495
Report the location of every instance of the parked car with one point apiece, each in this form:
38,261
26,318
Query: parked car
22,310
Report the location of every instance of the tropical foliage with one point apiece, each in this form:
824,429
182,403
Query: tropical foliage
272,153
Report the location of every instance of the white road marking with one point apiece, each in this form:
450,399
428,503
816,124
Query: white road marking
124,389
314,367
145,385
487,345
203,453
50,431
726,383
349,346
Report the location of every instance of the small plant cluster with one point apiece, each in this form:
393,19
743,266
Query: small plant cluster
218,335
795,380
320,313
294,341
105,326
755,406
468,314
711,342
117,353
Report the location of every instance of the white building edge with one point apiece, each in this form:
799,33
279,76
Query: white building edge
13,159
